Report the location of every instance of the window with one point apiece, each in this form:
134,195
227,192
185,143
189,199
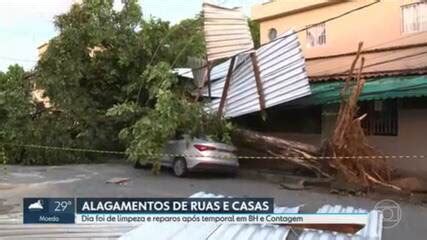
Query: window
414,17
381,117
272,34
316,35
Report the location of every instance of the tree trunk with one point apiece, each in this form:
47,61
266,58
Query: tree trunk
293,152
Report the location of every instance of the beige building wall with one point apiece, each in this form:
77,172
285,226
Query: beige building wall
42,49
410,141
378,26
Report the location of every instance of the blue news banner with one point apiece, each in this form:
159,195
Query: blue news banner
66,210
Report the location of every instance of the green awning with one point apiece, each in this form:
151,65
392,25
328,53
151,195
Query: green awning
375,89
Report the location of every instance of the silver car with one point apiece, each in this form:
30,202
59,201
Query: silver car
199,155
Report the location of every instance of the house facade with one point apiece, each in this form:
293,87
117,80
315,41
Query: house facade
381,25
394,36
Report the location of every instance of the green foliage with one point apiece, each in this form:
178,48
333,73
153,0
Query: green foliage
173,44
126,112
3,158
109,79
216,129
14,98
88,67
15,109
154,34
24,122
51,129
187,40
157,78
149,134
173,114
254,28
84,84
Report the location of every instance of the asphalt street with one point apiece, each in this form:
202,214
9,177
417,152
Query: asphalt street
17,182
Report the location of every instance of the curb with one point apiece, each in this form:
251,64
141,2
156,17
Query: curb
262,174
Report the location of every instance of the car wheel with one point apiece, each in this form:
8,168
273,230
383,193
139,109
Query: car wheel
180,167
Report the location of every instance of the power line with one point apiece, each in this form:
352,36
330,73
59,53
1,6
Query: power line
17,59
303,29
394,40
337,17
413,56
170,30
182,51
370,48
370,65
396,59
282,37
313,24
344,65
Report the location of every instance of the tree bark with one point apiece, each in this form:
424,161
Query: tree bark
293,152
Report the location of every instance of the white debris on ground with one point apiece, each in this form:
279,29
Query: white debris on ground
199,231
118,180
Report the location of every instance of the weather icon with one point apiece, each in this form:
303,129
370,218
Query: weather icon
36,206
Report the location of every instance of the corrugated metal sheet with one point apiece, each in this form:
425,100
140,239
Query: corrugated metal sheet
219,71
226,31
218,74
204,231
411,60
372,230
175,231
11,227
184,72
196,65
282,72
62,231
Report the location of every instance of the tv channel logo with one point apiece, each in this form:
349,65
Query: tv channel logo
391,211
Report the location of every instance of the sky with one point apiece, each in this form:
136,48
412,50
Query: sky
26,24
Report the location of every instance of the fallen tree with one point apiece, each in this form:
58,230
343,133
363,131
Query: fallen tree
301,154
345,153
348,150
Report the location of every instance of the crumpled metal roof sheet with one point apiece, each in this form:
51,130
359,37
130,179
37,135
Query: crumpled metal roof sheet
204,231
219,71
184,72
12,227
372,230
176,231
379,63
283,76
226,31
63,231
196,64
